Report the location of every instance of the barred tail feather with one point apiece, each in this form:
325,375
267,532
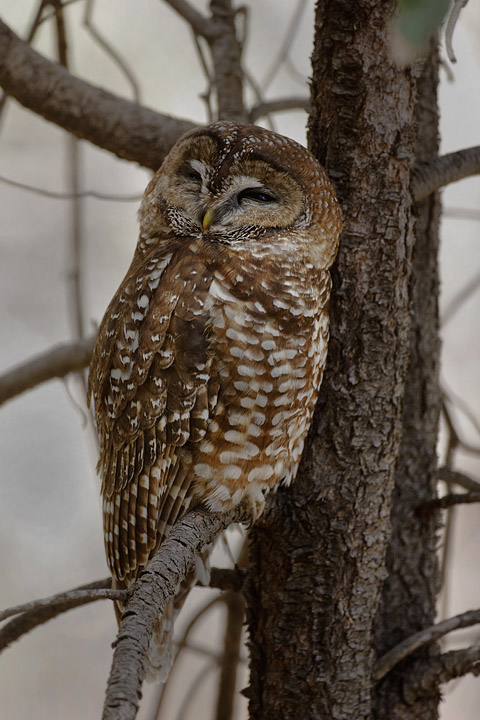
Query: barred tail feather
160,650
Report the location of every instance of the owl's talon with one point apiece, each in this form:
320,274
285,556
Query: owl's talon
253,505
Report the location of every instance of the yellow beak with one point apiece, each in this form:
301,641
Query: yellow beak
207,219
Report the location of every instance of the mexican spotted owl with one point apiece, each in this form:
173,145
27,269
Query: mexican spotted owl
210,356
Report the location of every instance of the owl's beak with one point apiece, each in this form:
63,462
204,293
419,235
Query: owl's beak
207,219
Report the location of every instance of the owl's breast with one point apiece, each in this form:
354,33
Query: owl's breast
269,350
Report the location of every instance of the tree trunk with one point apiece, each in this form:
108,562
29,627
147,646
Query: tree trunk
319,559
408,602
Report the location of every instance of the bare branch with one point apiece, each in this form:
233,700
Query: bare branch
110,50
457,8
462,213
286,45
423,676
90,594
231,656
453,476
54,363
48,608
448,501
149,597
431,176
227,62
424,637
127,129
273,106
200,24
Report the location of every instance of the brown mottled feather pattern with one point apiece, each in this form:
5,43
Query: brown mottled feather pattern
209,358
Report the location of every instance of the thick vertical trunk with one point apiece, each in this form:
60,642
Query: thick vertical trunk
408,601
319,558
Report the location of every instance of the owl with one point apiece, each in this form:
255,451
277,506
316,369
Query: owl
210,355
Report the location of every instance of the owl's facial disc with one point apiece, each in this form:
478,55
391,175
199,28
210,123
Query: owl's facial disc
216,191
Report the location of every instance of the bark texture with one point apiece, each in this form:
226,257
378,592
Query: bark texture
408,601
319,560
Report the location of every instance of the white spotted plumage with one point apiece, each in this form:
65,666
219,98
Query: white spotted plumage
209,358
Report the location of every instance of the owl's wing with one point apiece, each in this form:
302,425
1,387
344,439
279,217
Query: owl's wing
151,380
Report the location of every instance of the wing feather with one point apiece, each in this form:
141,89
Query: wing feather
150,379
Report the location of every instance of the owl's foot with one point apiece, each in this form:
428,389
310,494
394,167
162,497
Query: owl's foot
253,504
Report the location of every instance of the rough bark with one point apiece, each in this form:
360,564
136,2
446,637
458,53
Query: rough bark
408,601
319,560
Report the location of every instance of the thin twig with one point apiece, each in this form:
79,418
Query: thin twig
54,363
422,638
68,196
458,478
457,8
458,402
448,501
284,50
30,619
80,595
73,180
462,213
457,302
434,174
110,50
149,596
280,105
231,656
200,24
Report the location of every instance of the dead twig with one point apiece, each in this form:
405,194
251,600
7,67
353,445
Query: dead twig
68,196
230,658
457,8
422,638
54,363
110,50
280,105
454,477
37,612
98,593
198,22
434,174
448,501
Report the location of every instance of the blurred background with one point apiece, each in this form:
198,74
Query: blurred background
50,520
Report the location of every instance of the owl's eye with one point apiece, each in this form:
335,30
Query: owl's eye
194,175
259,196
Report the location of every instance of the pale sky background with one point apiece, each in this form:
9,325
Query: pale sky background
50,522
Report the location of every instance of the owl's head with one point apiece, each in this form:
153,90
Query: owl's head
230,182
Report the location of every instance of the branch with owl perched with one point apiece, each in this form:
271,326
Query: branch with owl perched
150,596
